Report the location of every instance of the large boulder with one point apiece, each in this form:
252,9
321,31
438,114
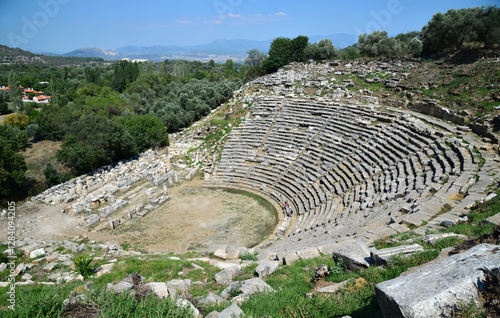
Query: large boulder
353,254
436,289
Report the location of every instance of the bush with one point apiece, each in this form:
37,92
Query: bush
250,257
20,121
148,131
52,177
82,265
31,130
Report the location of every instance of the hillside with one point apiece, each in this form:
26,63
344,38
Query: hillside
17,56
395,161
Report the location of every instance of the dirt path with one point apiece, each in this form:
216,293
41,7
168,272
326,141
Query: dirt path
193,219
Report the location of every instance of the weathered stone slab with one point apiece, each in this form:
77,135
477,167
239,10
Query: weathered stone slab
220,253
290,258
120,287
336,287
232,311
435,289
266,268
225,276
353,254
308,253
495,219
432,238
93,219
382,257
182,286
248,287
214,299
233,252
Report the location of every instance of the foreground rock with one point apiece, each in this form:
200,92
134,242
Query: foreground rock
435,290
354,255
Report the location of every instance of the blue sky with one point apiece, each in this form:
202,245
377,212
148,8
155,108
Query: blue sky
64,25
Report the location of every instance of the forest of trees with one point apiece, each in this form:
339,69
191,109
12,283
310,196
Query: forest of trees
104,112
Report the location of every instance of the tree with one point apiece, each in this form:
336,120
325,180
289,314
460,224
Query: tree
12,170
15,138
486,25
322,50
279,55
124,73
93,75
415,46
93,142
350,53
255,58
378,43
4,107
148,131
229,69
454,28
15,90
299,44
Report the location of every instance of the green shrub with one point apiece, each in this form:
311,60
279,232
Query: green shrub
250,257
82,264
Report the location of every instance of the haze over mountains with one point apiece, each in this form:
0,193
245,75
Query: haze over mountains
218,50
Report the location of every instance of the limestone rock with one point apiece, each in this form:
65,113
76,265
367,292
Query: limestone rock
308,253
336,287
159,289
37,253
435,289
186,303
182,286
120,287
213,314
266,268
353,254
248,287
214,299
226,275
232,311
432,238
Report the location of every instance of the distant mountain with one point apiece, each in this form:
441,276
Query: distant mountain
93,52
18,56
218,50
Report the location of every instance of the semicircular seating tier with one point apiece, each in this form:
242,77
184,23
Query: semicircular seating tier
348,170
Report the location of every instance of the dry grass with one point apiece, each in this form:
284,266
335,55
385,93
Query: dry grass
38,155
